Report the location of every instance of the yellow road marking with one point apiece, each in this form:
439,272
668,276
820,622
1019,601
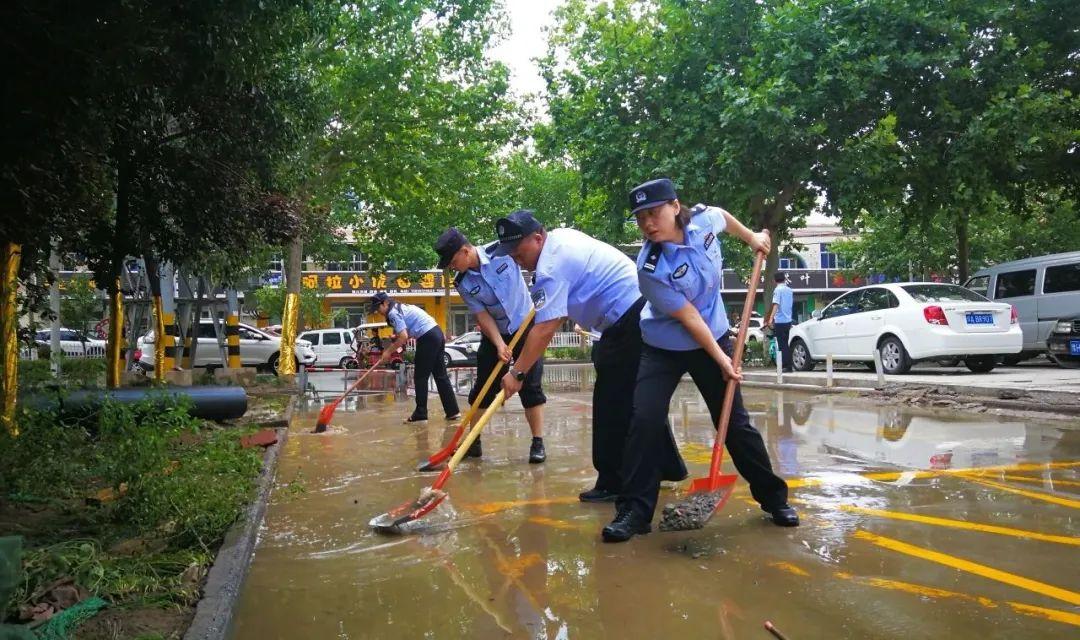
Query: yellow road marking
558,524
960,524
495,507
1049,614
1032,479
888,476
790,568
917,589
1045,497
990,573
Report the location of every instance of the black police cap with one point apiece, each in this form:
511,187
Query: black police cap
449,243
651,193
513,228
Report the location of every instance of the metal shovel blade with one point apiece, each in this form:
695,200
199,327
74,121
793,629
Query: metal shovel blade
705,498
392,521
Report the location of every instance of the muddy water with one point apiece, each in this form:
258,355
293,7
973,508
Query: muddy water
514,554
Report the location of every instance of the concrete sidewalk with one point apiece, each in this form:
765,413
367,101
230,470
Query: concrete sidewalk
1039,382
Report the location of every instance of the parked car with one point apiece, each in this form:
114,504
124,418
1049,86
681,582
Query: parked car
461,351
73,344
1063,344
1041,289
755,330
908,323
332,346
257,348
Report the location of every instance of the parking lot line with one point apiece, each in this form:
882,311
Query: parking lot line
961,524
1031,479
888,476
1037,495
968,566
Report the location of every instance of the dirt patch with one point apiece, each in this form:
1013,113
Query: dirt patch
1011,403
691,513
157,622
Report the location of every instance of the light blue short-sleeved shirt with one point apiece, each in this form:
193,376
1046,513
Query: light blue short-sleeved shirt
670,275
411,317
496,287
578,276
783,298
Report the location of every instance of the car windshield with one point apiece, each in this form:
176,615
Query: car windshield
941,293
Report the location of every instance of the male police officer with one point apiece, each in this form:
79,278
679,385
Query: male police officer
595,285
493,289
779,318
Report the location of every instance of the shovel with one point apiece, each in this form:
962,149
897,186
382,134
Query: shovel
441,455
431,497
327,412
707,495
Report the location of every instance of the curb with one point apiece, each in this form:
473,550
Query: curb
214,612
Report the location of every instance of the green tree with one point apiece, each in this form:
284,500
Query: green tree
81,306
269,302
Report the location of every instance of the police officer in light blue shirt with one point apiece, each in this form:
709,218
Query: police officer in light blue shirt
779,318
595,285
684,327
410,321
493,289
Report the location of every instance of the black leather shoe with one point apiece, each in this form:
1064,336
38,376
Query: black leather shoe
783,515
536,451
598,495
415,418
625,526
476,450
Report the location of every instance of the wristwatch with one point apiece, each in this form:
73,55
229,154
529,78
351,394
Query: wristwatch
518,375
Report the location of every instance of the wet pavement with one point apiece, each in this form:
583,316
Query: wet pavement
916,523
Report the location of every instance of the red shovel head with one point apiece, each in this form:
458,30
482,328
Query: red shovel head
706,497
435,461
392,520
325,416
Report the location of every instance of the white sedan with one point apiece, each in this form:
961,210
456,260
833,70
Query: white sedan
907,323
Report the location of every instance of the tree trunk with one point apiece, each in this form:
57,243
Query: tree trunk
289,317
963,249
9,336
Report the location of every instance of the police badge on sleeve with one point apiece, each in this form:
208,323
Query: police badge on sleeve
539,298
680,271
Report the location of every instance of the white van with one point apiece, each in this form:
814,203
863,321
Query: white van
332,346
1041,289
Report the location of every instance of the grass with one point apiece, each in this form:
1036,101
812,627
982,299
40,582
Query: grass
172,485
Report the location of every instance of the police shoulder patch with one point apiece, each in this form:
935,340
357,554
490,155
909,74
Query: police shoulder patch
680,271
652,258
709,239
503,267
697,208
539,298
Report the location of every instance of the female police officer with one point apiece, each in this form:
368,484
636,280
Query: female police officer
684,329
412,321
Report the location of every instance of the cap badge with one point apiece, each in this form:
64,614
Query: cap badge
640,197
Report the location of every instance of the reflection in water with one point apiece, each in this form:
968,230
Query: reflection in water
513,554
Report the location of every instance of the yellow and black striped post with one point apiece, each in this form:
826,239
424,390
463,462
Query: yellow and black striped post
232,338
172,335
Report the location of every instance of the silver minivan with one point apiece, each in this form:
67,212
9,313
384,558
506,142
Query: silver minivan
1042,289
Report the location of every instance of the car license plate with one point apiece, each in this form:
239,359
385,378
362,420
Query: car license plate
1074,347
980,318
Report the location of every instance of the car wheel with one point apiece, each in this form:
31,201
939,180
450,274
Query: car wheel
894,357
348,363
981,364
800,356
273,362
446,359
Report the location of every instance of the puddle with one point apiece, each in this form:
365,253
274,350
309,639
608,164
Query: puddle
888,497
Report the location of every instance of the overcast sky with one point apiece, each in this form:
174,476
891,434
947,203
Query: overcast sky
526,41
528,19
